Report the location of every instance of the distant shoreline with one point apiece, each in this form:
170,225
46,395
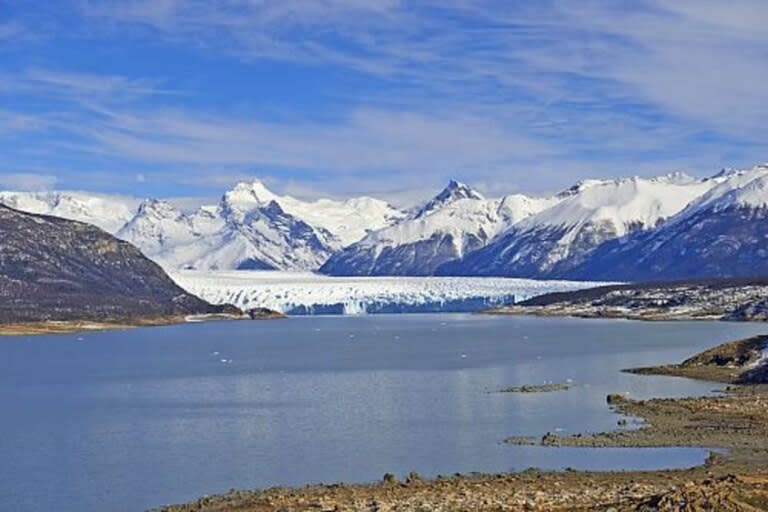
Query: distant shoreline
544,312
743,299
82,326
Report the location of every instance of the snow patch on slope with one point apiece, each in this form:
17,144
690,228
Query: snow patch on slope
747,189
624,204
109,212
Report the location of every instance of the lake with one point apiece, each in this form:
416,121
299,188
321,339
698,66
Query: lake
131,419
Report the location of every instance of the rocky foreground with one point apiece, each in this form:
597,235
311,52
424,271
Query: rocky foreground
718,299
733,479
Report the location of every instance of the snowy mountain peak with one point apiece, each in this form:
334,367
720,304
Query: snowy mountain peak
458,190
246,196
725,173
516,207
674,178
580,186
748,189
252,191
454,191
158,209
621,204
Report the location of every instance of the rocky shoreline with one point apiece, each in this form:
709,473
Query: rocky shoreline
736,362
75,326
734,478
714,299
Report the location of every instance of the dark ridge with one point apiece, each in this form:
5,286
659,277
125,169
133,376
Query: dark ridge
52,269
600,291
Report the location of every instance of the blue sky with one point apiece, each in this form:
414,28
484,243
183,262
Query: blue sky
383,97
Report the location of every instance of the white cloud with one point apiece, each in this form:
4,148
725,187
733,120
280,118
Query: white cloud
365,141
13,122
702,60
88,83
27,181
517,95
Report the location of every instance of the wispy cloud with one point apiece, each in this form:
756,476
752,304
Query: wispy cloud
87,87
365,140
27,181
14,122
699,60
89,83
512,94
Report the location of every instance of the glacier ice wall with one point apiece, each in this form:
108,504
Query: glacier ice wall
313,294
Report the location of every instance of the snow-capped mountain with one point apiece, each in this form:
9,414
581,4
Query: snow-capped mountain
456,221
667,227
251,227
348,221
723,233
156,225
454,191
560,237
109,212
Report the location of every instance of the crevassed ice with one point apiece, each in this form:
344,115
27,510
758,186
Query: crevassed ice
307,293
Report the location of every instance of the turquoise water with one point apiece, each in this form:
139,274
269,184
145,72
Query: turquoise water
127,420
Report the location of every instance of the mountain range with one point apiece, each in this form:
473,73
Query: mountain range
667,227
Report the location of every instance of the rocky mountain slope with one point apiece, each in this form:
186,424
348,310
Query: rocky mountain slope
723,233
455,222
63,270
552,242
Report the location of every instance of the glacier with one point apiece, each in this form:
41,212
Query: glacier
305,293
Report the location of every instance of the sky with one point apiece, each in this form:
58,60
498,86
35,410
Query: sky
390,98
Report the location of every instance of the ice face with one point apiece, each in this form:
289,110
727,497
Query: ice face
307,293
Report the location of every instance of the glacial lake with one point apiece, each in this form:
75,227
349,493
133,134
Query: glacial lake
133,419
